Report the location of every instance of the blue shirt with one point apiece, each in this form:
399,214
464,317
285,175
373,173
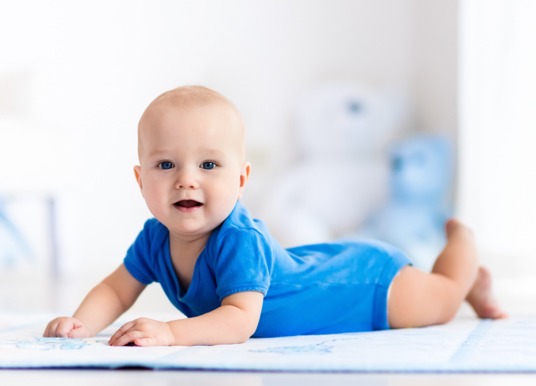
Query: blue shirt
314,289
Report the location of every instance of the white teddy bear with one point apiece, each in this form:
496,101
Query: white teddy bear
340,172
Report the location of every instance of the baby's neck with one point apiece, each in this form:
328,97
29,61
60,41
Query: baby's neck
184,254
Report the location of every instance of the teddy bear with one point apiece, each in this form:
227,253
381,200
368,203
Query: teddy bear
339,174
420,199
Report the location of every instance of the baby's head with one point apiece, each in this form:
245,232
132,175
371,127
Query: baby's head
189,99
191,147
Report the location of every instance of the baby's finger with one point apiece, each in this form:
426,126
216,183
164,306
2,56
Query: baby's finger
64,328
50,328
79,332
146,341
127,338
120,332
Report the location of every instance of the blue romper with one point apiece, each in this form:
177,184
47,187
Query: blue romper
314,289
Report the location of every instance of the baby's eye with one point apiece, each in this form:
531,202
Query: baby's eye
166,165
208,165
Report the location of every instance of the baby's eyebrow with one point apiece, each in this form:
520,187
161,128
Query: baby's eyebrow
158,153
214,152
202,153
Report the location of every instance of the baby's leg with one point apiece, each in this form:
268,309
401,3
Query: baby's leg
419,299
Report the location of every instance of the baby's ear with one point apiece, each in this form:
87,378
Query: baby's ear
244,176
137,174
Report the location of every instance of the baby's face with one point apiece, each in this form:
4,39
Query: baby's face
192,168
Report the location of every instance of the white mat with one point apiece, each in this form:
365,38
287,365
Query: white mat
465,345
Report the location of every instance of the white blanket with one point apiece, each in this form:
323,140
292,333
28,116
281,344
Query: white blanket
465,345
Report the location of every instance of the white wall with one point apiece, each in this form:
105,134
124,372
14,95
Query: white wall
75,77
435,66
497,134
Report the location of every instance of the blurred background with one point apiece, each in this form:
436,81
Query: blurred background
365,118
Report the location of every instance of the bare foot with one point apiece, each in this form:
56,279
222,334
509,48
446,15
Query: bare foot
481,298
454,225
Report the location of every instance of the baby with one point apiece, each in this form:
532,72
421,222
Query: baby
225,272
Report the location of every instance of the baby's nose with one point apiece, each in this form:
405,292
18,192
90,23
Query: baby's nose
186,179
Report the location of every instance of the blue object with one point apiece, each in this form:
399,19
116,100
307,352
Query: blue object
13,245
314,289
420,199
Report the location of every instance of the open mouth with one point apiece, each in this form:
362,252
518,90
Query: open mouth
187,204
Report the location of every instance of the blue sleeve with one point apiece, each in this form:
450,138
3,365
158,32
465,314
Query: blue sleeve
139,259
244,262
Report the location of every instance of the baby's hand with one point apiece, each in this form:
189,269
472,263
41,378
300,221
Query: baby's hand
66,327
143,332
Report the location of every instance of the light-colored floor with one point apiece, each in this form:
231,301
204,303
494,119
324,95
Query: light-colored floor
157,378
41,295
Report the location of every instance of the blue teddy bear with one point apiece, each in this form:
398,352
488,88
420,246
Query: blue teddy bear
420,199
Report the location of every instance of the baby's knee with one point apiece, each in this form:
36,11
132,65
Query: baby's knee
420,299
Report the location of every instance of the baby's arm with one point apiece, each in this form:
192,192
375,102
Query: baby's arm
233,322
102,305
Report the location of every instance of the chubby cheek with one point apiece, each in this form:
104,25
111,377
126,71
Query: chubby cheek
226,198
150,201
152,196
